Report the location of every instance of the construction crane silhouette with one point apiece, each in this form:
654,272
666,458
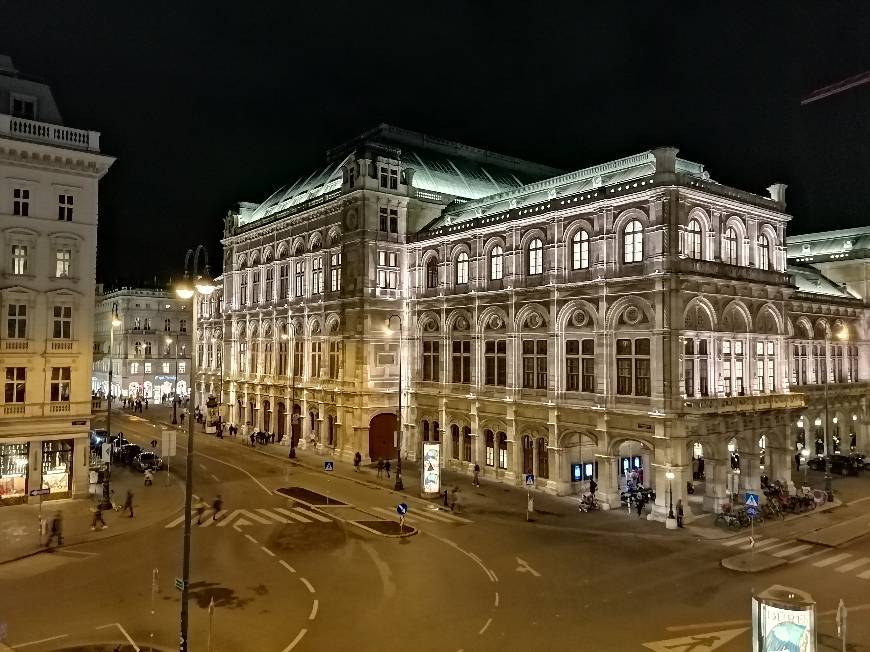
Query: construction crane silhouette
838,87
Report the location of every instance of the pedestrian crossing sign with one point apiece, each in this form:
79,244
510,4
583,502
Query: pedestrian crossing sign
327,465
530,479
751,500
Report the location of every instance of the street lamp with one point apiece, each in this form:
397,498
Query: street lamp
398,485
291,366
107,491
169,341
842,335
186,290
669,474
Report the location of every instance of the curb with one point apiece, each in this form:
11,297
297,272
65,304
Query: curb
381,534
759,561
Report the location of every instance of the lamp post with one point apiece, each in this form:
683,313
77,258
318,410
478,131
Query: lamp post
842,335
291,367
186,290
398,485
106,503
805,456
669,474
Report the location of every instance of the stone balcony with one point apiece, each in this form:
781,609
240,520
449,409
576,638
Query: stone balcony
731,272
721,404
51,134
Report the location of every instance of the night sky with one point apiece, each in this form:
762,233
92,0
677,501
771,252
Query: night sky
206,104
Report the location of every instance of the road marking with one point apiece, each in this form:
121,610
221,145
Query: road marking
276,517
760,544
42,640
252,539
215,518
78,552
243,513
314,515
496,598
215,478
238,468
203,467
860,500
525,568
307,584
483,629
734,542
313,613
697,642
791,551
292,515
470,555
267,551
287,566
174,522
124,632
865,575
832,560
845,568
295,641
809,555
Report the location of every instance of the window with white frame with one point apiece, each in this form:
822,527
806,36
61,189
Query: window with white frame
63,263
335,272
62,322
134,367
693,240
388,272
853,364
580,365
21,201
696,367
732,367
268,357
536,257
283,350
64,207
462,268
299,278
19,259
298,357
243,289
765,366
431,273
255,287
431,360
317,275
763,252
242,356
182,367
23,107
496,263
147,349
270,284
535,364
164,367
14,390
799,364
730,246
632,242
167,325
283,281
147,367
495,363
633,367
316,358
580,250
16,321
389,177
335,348
837,363
461,361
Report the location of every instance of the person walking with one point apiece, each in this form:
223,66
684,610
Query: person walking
182,418
357,460
387,467
253,440
453,498
680,513
476,478
56,530
200,510
380,468
217,505
149,477
639,502
457,500
98,518
128,503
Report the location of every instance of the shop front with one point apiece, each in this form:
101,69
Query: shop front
57,471
13,473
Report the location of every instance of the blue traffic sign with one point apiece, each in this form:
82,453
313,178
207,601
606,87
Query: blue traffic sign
402,509
751,500
327,465
752,511
530,479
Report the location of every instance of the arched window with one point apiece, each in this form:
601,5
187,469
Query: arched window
496,263
729,246
137,348
432,273
436,432
462,268
543,459
502,450
693,240
425,430
528,451
763,252
466,443
454,441
580,250
632,242
490,448
536,256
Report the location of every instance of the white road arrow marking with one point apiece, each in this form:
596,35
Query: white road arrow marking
525,568
696,642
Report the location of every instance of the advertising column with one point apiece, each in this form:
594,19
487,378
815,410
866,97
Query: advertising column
431,469
783,619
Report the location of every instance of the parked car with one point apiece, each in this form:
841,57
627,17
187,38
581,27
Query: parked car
147,460
128,453
841,464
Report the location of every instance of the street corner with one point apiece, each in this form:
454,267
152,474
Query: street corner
752,562
390,529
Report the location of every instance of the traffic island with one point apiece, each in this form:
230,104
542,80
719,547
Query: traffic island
752,562
386,528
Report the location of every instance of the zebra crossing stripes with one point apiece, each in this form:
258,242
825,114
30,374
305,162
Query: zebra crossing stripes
830,561
845,568
865,575
258,516
427,517
788,552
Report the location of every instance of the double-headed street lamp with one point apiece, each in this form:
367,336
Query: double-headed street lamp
169,341
186,290
842,335
107,490
398,485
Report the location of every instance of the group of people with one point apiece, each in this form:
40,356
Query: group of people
383,466
262,438
135,403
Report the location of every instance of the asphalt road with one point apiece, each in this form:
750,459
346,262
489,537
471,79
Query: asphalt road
489,582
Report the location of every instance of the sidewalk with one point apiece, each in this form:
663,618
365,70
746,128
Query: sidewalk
20,536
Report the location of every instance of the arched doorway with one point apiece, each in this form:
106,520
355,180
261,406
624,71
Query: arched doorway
282,417
543,458
381,429
267,416
528,452
296,425
330,431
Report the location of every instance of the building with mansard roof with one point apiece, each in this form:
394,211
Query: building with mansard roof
572,325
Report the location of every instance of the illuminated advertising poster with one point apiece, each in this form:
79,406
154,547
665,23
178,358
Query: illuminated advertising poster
783,625
431,468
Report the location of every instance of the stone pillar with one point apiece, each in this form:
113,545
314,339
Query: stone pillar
750,473
779,463
715,484
608,481
80,463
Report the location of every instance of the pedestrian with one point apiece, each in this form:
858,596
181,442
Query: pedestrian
593,486
639,502
253,438
476,478
128,503
272,438
56,530
146,403
98,518
380,468
445,494
357,460
453,498
149,477
387,467
200,510
182,418
680,513
457,501
218,505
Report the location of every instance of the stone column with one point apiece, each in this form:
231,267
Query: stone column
750,475
560,480
608,481
779,463
80,464
715,484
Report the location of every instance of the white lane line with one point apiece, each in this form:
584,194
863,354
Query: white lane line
215,478
287,566
809,555
307,584
267,551
791,551
843,556
470,555
292,515
864,576
206,516
483,629
314,515
860,500
295,641
174,522
42,640
735,541
496,598
237,468
493,575
845,568
203,467
764,543
273,516
124,632
252,539
313,613
215,517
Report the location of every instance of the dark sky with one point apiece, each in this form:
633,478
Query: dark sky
206,104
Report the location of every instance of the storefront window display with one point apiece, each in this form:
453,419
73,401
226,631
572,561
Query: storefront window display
13,470
57,465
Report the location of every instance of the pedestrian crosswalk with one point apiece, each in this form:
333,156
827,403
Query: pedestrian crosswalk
258,516
795,552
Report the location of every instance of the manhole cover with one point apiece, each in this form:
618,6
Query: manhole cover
307,496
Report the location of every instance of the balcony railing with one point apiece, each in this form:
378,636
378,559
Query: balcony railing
44,132
16,345
743,403
51,409
735,272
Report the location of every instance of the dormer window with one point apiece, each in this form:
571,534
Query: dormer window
24,107
389,177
